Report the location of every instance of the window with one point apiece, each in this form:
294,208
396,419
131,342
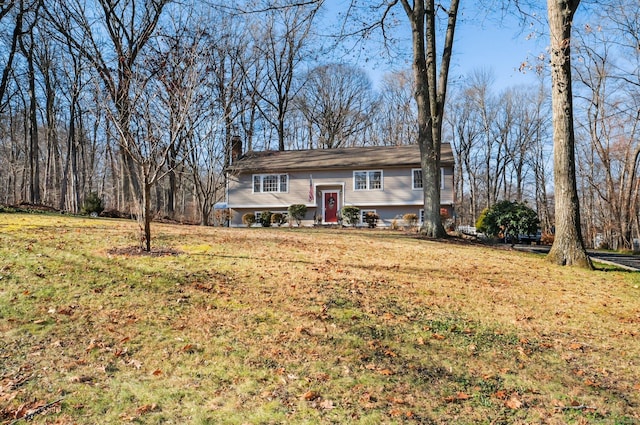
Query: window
270,183
416,178
363,214
367,180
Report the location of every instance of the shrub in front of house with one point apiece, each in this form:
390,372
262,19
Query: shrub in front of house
351,215
248,219
222,217
297,212
371,219
411,220
278,219
506,220
265,218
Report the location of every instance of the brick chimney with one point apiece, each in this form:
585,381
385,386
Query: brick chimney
236,147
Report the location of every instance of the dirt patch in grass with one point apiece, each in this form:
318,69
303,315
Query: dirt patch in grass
137,251
304,326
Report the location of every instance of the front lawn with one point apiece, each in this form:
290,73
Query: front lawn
304,326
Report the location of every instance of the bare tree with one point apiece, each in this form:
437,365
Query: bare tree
281,45
337,101
27,47
496,139
568,246
431,83
128,26
228,63
609,93
395,116
19,24
466,134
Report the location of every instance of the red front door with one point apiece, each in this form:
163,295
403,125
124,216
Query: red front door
330,202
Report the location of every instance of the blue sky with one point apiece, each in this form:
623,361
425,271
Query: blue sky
481,43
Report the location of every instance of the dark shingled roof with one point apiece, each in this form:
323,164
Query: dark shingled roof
343,158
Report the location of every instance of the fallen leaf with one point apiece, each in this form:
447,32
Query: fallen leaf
146,408
67,311
386,372
395,412
501,394
327,404
439,337
460,396
157,372
135,363
513,403
311,395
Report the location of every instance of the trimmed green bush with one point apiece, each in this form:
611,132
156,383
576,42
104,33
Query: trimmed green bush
265,218
507,220
351,215
297,212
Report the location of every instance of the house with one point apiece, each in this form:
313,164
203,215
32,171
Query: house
386,180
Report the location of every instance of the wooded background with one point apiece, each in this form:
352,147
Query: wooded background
136,98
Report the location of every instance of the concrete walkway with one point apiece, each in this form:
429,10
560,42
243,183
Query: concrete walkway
624,261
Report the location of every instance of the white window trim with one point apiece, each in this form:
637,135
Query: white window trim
262,177
363,212
257,213
413,182
413,178
368,180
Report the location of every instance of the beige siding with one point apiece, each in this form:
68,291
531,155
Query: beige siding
395,199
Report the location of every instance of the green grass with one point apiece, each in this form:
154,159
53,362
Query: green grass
304,326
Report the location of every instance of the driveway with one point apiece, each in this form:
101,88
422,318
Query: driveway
625,261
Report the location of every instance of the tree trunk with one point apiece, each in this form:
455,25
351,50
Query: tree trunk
568,247
34,145
146,215
430,94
